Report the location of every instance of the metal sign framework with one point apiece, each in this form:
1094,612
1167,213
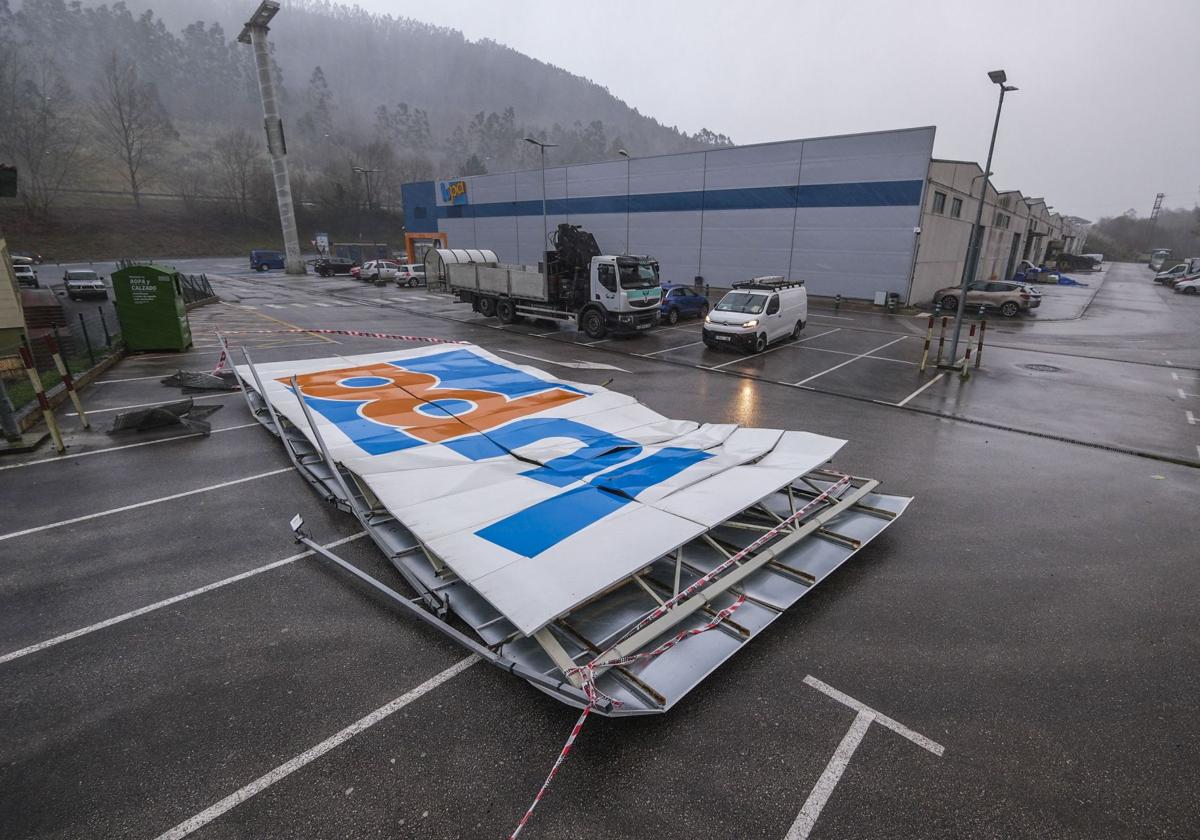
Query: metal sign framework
614,652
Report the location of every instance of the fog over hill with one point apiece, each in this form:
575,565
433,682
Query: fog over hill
359,89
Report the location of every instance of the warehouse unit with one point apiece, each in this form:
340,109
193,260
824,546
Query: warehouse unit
841,213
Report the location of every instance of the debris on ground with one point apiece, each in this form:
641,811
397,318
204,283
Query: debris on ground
181,413
195,380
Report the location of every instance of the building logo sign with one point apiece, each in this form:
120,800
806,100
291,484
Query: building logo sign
454,192
482,409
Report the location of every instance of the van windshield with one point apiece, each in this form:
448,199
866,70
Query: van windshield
742,302
638,274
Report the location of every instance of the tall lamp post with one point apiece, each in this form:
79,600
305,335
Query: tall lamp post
545,226
255,34
625,155
366,173
975,246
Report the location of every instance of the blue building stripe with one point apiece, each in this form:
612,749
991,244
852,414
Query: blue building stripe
422,212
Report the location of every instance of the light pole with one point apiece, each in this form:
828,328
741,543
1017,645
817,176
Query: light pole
545,228
975,245
255,33
366,173
625,155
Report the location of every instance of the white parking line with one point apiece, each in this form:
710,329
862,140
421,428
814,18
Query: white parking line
322,304
56,458
283,770
823,789
919,390
669,349
159,402
130,379
136,505
779,346
848,361
166,602
835,317
1191,418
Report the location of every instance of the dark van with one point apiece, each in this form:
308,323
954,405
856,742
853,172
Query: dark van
262,260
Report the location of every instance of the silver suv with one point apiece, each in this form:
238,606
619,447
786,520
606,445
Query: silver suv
1007,296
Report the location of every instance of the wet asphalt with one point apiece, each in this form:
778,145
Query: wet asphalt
1033,612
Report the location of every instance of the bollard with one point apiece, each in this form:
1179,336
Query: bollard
103,326
965,372
837,303
68,382
982,311
979,348
47,413
941,343
928,338
87,339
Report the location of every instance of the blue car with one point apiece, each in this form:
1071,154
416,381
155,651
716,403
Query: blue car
681,302
262,260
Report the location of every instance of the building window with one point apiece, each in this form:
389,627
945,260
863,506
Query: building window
1000,220
939,202
956,208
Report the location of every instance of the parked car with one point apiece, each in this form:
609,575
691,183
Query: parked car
356,272
410,274
681,302
1172,273
756,313
1008,297
31,259
379,271
82,284
262,260
329,266
1189,286
26,276
1099,258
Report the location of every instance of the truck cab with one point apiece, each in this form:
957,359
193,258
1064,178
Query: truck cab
625,295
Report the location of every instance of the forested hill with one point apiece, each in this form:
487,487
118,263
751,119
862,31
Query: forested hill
358,88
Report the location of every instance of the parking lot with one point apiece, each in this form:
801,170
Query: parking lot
171,663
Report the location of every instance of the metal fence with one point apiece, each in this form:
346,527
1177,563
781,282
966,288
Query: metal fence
84,340
196,287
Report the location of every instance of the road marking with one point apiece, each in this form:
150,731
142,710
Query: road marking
1183,395
1175,376
323,304
880,718
578,365
275,305
848,361
312,754
56,458
136,505
919,390
669,349
159,402
1168,361
821,791
166,602
835,317
130,379
1191,418
779,346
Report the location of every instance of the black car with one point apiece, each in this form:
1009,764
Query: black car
329,266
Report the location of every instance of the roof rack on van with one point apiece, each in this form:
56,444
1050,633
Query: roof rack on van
772,283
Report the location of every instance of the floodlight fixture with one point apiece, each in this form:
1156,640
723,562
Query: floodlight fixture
261,18
998,76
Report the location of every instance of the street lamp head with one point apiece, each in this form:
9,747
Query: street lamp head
540,143
262,16
623,153
998,76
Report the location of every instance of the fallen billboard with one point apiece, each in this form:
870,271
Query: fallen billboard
571,527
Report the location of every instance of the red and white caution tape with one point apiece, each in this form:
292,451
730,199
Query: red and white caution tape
587,673
354,333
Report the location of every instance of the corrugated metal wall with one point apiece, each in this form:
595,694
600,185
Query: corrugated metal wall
837,212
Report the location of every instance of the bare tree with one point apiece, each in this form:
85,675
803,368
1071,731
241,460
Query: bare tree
237,156
39,131
134,127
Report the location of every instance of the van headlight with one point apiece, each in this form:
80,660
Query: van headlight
708,319
751,323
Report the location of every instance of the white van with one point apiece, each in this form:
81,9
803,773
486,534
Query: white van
756,313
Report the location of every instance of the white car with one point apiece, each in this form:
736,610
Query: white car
82,284
379,271
756,313
25,275
411,274
1189,287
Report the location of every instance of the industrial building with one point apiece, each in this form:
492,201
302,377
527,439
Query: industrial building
853,215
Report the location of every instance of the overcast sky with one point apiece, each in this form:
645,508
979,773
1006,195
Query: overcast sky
1107,115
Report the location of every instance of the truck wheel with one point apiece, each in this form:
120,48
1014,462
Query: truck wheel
506,311
487,307
593,324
